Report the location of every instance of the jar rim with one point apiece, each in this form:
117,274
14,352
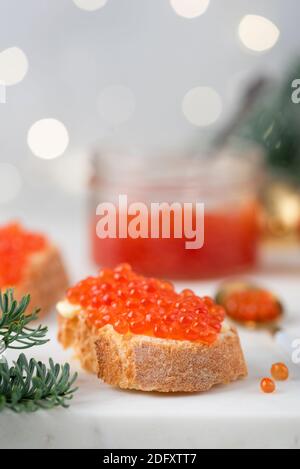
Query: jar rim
227,169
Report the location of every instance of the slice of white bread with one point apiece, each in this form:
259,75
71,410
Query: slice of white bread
75,333
152,364
45,279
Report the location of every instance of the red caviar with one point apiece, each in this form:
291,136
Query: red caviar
267,386
16,246
148,306
252,305
231,236
280,372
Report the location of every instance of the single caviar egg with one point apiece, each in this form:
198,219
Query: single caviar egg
131,303
267,385
280,372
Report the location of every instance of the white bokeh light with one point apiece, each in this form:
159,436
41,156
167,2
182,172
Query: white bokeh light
90,5
116,104
13,66
258,33
48,138
190,8
202,106
10,182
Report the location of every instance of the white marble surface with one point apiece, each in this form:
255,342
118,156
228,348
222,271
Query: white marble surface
233,416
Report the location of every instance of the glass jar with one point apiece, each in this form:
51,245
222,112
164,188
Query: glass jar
227,185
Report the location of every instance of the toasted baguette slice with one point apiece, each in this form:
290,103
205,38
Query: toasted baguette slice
151,364
45,279
74,333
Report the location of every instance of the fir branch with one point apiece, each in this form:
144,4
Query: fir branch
29,386
14,320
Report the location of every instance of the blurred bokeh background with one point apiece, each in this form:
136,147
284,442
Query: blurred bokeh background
143,75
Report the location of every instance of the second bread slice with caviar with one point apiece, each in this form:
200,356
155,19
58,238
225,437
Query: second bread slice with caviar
31,264
138,333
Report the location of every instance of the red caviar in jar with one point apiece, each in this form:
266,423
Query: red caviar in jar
280,372
252,305
16,246
231,236
147,306
267,386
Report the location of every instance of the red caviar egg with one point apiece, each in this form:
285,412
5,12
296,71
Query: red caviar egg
280,372
161,330
16,247
138,327
132,303
187,293
121,326
267,386
192,333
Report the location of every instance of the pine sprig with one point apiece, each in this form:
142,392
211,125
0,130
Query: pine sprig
29,386
14,320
